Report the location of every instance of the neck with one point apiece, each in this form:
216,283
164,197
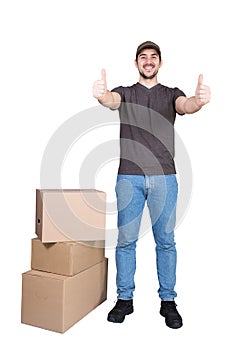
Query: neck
148,82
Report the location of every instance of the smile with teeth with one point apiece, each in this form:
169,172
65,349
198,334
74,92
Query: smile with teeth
148,67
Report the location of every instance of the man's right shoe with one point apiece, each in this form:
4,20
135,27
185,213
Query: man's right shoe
120,310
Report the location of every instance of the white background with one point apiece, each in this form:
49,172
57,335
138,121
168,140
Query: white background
51,52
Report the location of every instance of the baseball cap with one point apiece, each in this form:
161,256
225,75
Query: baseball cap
148,45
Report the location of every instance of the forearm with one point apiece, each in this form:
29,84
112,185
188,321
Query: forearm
190,105
110,100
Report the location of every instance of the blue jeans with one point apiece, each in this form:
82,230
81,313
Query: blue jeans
160,193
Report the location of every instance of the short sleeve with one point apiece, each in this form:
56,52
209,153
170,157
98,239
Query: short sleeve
120,91
177,93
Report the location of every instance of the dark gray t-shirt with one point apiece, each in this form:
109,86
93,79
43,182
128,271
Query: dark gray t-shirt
147,119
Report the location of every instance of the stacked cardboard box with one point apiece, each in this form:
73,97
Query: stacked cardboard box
68,276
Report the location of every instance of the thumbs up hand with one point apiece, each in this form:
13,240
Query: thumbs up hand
100,86
202,94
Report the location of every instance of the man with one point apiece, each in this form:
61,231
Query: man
147,174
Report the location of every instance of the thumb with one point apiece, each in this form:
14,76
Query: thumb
103,74
200,79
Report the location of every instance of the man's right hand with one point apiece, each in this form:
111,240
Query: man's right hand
100,86
104,96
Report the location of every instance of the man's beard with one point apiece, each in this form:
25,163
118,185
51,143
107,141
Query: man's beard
148,76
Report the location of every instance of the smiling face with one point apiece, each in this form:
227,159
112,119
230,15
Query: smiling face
148,63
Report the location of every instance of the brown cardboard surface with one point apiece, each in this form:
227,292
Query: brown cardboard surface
65,258
55,302
70,215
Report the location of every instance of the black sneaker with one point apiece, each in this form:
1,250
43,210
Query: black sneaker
120,310
172,316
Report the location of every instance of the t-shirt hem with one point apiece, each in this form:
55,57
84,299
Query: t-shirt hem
146,171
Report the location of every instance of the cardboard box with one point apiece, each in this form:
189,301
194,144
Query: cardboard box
66,258
55,302
70,215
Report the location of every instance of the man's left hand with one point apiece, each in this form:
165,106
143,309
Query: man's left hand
202,94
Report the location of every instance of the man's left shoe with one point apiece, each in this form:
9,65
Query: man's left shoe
172,316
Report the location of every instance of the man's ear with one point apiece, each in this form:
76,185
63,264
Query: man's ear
161,63
136,63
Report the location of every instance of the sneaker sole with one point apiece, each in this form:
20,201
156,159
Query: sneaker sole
175,325
112,318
